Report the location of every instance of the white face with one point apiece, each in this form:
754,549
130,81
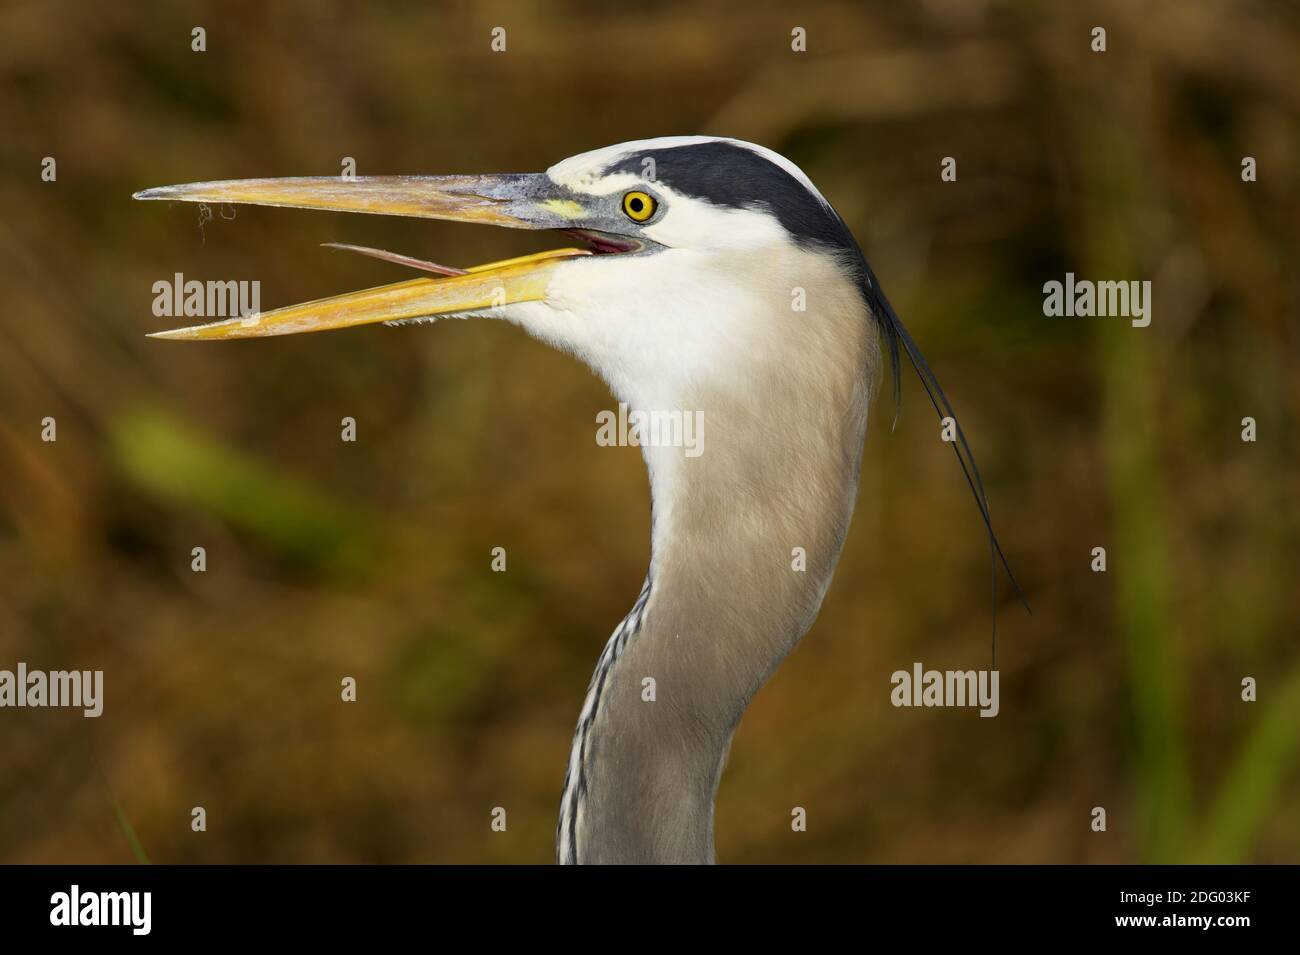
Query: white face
698,304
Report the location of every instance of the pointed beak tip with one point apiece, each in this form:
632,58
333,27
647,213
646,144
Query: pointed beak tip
173,334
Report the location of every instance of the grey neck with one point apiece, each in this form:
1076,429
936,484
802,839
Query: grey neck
745,541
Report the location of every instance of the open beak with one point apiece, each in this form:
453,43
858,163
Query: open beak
527,201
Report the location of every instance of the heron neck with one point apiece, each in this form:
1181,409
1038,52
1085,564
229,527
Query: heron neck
744,544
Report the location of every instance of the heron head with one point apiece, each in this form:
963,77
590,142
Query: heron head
708,272
690,250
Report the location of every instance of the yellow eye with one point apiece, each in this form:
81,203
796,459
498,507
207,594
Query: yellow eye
638,206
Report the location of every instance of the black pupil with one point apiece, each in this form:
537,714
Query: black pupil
636,205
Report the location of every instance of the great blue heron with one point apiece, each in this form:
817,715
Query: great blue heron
714,279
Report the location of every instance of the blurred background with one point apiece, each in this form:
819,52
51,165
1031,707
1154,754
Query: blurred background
372,560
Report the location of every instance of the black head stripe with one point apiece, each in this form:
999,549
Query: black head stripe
729,175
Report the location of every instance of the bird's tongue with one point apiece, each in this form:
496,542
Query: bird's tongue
523,279
397,258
